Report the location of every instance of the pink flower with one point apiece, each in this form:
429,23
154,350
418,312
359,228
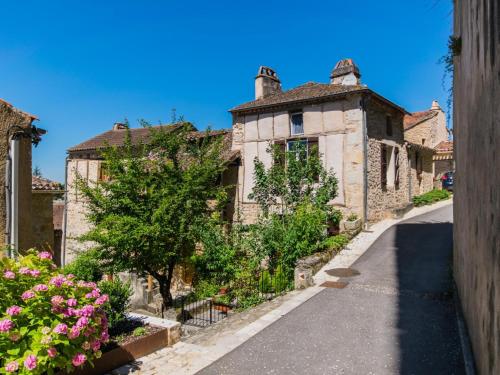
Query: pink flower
45,255
6,325
82,322
71,302
27,295
69,283
102,299
74,332
87,310
58,280
52,352
12,366
57,300
14,310
79,359
70,276
8,274
40,288
35,273
30,362
61,329
104,336
24,271
69,312
96,345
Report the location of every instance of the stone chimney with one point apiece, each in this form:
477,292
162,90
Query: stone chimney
435,106
266,82
119,126
345,72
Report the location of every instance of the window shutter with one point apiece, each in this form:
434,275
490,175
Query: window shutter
280,159
383,166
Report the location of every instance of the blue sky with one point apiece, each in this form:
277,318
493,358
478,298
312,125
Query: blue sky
80,66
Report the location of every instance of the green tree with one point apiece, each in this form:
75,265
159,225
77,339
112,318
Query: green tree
145,215
37,172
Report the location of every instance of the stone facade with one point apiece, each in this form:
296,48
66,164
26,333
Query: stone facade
336,124
42,220
10,116
476,117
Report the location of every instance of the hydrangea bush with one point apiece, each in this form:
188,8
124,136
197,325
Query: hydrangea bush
49,322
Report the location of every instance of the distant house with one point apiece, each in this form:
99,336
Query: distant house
44,192
428,128
17,134
360,135
84,160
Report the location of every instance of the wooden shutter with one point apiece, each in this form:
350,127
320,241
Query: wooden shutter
313,150
383,166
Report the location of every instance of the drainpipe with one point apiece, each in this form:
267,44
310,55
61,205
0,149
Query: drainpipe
65,213
7,202
14,196
365,163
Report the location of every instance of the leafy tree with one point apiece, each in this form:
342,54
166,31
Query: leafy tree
145,215
37,172
294,177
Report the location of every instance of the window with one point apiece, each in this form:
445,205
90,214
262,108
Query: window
423,141
298,147
383,166
296,123
388,125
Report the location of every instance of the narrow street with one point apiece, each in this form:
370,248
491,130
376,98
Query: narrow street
396,317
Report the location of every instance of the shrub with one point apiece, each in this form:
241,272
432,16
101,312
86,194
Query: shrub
335,243
49,322
430,197
86,267
119,301
352,217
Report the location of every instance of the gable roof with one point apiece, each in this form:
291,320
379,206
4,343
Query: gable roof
413,119
307,91
117,137
22,113
44,184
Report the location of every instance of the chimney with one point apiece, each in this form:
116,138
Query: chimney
345,72
435,106
119,126
266,82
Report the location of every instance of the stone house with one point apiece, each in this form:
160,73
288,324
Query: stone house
84,160
359,133
17,134
428,128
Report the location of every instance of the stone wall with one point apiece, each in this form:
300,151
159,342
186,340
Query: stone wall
422,178
10,116
77,224
429,133
383,201
476,119
42,220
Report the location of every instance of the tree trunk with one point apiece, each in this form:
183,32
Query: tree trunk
165,282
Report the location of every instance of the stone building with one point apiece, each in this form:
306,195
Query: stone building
84,160
359,133
428,128
17,133
475,49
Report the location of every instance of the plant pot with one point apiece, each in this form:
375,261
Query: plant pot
126,353
222,308
223,291
352,225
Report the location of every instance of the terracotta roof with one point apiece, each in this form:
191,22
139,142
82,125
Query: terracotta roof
444,146
58,214
7,104
416,118
307,91
43,184
117,137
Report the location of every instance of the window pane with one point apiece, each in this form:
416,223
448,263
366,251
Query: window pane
297,124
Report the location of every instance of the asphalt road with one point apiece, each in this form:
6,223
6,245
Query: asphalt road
396,317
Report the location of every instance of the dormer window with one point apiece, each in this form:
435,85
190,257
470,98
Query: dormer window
296,123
